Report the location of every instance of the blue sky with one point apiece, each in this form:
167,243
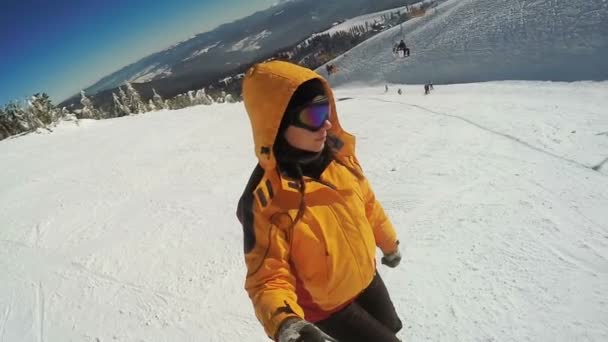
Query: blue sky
62,46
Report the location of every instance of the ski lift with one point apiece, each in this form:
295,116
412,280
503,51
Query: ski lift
400,49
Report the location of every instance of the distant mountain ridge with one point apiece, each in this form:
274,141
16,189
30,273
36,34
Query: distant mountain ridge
242,41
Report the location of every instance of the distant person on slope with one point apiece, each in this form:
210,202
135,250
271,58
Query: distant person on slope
310,219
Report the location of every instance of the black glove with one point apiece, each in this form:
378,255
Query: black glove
299,330
392,259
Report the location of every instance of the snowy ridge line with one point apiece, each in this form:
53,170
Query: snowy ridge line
504,135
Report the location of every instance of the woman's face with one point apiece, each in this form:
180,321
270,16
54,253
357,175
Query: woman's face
307,140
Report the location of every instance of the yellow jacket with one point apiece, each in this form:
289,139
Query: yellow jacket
308,255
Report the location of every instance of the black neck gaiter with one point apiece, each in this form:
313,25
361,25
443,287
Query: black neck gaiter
295,163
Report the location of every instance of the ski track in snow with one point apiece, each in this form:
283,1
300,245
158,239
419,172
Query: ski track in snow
508,136
4,319
40,304
599,165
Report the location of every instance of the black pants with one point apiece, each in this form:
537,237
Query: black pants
370,318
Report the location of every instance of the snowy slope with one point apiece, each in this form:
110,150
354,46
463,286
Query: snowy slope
361,20
124,229
481,40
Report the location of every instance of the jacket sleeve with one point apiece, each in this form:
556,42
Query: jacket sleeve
269,282
384,232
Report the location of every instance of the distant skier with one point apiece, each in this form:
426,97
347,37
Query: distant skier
386,88
331,69
427,89
399,91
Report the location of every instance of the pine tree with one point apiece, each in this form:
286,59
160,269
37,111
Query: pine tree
203,98
42,110
16,118
88,111
119,108
124,100
230,98
151,106
222,97
192,101
4,128
136,104
66,115
158,100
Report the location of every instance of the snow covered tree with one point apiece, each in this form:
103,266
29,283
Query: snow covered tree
17,118
136,105
41,109
230,98
124,100
66,115
191,98
221,98
203,98
4,127
158,101
88,111
180,101
119,108
151,106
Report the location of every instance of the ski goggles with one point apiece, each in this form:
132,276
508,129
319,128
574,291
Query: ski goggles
313,116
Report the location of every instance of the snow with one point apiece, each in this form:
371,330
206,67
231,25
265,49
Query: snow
485,40
250,43
124,229
203,50
280,2
150,73
361,20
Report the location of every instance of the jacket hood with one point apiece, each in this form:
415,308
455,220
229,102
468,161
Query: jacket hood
267,90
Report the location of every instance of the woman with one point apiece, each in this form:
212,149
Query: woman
310,219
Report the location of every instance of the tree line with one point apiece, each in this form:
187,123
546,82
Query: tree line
38,112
